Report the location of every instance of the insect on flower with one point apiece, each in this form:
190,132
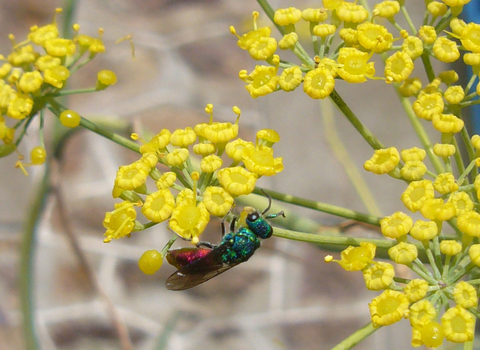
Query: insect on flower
198,265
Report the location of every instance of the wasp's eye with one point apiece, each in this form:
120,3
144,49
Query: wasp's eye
252,216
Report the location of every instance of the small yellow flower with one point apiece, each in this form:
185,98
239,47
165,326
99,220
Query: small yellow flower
263,48
237,180
318,83
30,81
413,170
416,290
396,225
204,148
476,185
470,37
357,258
288,41
150,262
416,194
410,87
166,180
251,37
159,205
469,223
217,201
314,15
458,324
183,137
450,247
444,150
355,67
211,163
20,106
267,137
445,50
262,81
149,160
403,253
465,295
447,123
424,230
324,29
290,79
437,9
398,67
374,37
23,56
413,47
378,276
421,313
437,209
462,203
132,176
454,94
332,4
158,143
428,34
457,25
56,76
474,254
189,219
386,9
383,161
260,161
413,154
449,77
39,35
220,133
428,105
235,148
59,47
177,157
388,308
284,17
5,69
349,36
445,183
120,222
351,13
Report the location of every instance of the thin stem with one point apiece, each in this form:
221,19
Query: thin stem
323,207
357,124
409,20
356,337
75,92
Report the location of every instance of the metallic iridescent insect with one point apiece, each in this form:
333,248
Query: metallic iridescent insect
198,265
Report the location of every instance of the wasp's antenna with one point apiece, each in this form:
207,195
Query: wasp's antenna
232,224
269,201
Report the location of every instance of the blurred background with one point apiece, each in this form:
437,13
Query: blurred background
285,297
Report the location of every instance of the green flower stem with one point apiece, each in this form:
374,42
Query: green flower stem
298,50
323,207
474,282
469,103
432,262
75,92
401,280
357,124
87,124
420,270
470,83
465,173
461,272
444,22
458,157
356,337
408,19
421,133
428,66
168,245
27,261
344,158
470,150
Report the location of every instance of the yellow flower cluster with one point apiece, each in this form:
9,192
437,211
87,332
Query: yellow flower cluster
441,247
362,36
34,74
201,186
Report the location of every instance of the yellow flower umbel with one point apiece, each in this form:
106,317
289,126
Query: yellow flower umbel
259,160
356,258
355,67
459,325
32,78
120,222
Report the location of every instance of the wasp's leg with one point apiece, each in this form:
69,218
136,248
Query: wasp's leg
273,216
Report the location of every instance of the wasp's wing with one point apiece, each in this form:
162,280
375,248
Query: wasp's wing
184,279
199,271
